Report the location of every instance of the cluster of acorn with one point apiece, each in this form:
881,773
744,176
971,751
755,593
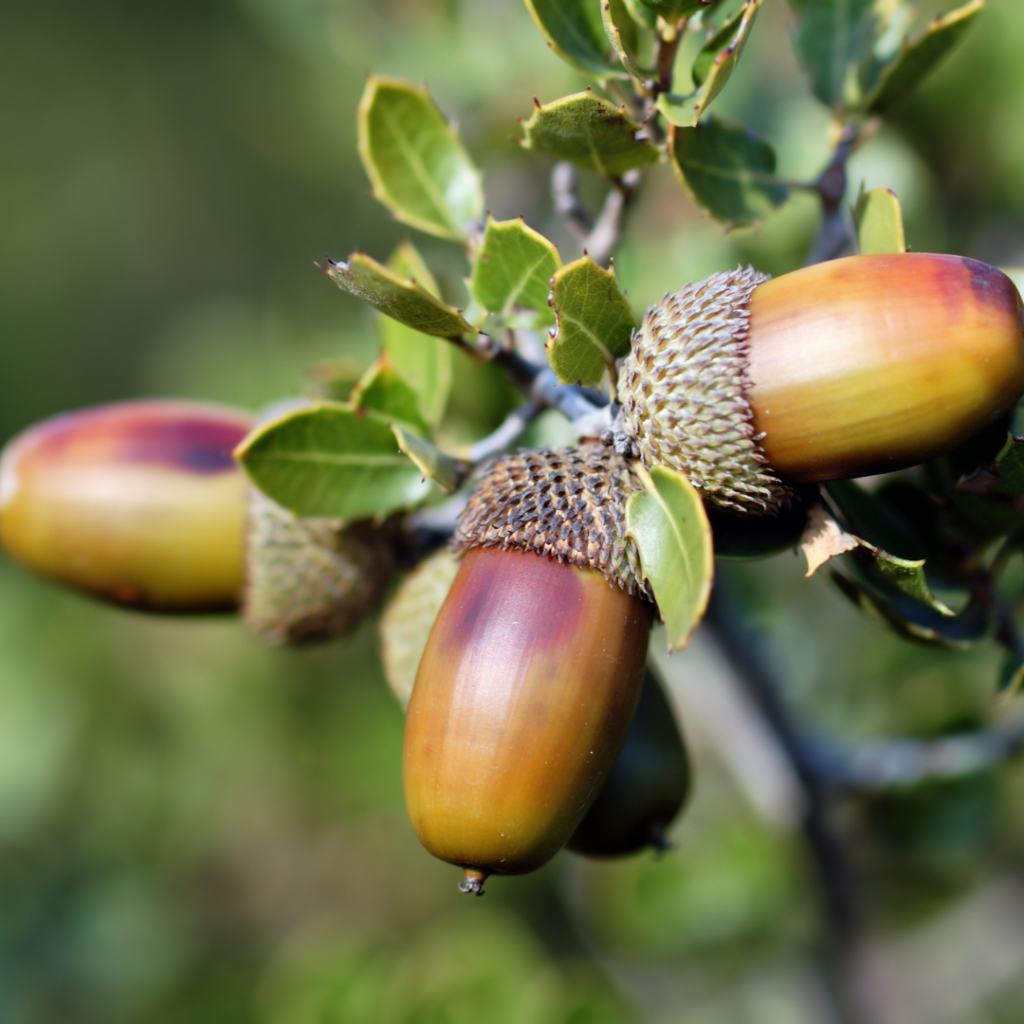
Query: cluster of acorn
529,684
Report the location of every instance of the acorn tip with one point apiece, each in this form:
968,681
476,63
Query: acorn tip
473,882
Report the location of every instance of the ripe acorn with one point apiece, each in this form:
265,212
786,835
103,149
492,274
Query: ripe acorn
142,504
856,366
532,671
647,786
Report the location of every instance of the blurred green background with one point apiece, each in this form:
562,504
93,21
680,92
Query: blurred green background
196,828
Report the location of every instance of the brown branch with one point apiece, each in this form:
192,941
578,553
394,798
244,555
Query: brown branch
606,233
568,205
745,650
665,49
834,235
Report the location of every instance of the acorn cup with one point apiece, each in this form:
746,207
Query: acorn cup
533,668
857,366
142,504
647,787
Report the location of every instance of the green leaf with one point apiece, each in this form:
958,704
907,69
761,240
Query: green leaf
879,530
423,361
1008,469
414,159
404,300
383,391
621,29
835,42
874,520
671,531
1003,478
1011,674
916,58
593,323
879,222
986,518
573,30
641,14
712,69
903,574
430,460
990,502
331,460
914,621
727,170
673,10
590,132
512,274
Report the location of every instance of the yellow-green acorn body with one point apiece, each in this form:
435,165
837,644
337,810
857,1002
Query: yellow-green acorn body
140,503
647,787
532,671
859,365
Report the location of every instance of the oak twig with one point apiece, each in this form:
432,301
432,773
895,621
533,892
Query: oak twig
745,650
834,235
498,440
541,384
568,205
606,233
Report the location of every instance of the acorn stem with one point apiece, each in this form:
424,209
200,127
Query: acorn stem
473,882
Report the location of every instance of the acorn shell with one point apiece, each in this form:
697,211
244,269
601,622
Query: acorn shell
856,366
533,668
139,503
874,363
522,700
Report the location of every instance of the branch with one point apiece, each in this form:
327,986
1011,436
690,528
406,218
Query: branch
745,650
541,384
666,46
568,205
599,237
887,764
606,234
499,440
833,235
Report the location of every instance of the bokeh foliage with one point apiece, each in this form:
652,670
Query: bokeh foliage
192,828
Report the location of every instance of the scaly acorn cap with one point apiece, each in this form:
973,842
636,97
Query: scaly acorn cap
683,390
568,504
308,579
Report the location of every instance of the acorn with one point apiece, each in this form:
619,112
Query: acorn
310,579
647,787
141,504
533,669
857,366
